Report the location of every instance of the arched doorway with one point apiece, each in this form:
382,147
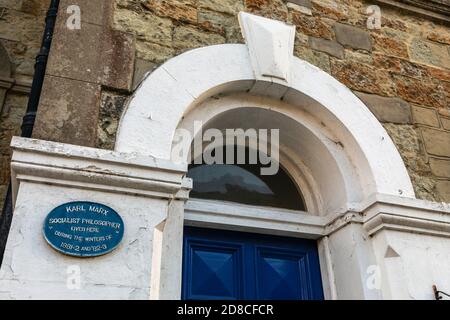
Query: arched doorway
221,264
331,146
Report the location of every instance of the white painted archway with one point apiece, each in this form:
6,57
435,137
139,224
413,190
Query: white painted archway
357,157
330,142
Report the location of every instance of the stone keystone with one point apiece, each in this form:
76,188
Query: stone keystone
270,44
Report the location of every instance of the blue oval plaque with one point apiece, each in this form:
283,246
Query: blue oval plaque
83,229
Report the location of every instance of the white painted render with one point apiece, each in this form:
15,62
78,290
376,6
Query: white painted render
147,194
147,264
361,206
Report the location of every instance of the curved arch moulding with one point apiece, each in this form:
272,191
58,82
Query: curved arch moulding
173,92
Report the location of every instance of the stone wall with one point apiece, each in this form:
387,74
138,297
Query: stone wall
83,63
21,28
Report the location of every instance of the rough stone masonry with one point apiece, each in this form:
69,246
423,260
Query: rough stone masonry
21,27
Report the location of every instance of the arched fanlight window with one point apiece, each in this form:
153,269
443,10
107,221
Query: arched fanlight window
243,183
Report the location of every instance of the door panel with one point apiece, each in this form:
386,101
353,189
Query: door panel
233,265
282,275
218,273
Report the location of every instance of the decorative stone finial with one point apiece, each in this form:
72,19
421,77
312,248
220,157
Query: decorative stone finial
270,44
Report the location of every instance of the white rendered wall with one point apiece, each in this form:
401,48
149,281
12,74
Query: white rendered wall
146,264
33,270
410,264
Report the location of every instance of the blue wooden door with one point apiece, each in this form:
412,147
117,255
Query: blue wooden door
233,265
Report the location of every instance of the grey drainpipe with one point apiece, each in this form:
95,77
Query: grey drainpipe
30,116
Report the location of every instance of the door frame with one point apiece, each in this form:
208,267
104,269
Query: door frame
231,216
252,246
